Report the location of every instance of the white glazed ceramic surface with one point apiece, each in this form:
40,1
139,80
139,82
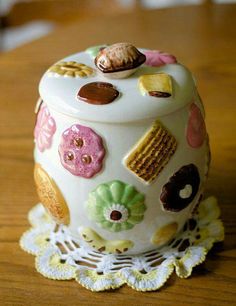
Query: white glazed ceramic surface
121,124
60,93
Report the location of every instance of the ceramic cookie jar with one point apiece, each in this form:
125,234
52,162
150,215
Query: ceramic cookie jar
121,149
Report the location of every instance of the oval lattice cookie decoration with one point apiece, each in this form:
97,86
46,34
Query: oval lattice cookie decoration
51,196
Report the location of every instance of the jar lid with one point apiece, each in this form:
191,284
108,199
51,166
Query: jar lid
150,92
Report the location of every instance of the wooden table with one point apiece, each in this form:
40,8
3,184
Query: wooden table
201,37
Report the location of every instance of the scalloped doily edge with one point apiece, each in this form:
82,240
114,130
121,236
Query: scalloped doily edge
48,258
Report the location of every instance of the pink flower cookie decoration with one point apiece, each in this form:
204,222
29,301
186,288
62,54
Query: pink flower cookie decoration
196,130
44,129
158,58
81,151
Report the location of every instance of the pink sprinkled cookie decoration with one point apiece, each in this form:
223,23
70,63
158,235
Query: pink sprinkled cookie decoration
158,58
44,129
81,151
196,130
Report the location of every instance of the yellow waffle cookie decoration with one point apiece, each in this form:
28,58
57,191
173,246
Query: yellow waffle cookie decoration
71,69
102,245
151,153
51,196
158,85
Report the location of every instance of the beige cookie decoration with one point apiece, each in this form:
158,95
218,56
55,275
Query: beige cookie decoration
119,61
102,245
164,234
71,69
158,85
50,196
151,153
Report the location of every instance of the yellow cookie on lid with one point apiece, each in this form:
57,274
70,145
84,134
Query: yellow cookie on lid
157,85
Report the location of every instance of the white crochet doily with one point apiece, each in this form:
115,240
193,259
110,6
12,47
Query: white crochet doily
59,256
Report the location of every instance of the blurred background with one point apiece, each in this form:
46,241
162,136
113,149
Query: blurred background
22,21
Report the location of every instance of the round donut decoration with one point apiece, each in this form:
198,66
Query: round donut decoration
181,188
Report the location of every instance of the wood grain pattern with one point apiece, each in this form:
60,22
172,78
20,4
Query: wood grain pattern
59,11
201,37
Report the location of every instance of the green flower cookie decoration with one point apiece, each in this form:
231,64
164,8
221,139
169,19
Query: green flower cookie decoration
116,206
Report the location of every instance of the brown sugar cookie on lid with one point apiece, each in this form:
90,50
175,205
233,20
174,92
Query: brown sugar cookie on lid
51,196
98,93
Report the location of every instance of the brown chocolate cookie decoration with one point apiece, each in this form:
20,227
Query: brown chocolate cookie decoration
181,189
51,196
98,93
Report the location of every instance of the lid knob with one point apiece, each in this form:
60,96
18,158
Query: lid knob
119,61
